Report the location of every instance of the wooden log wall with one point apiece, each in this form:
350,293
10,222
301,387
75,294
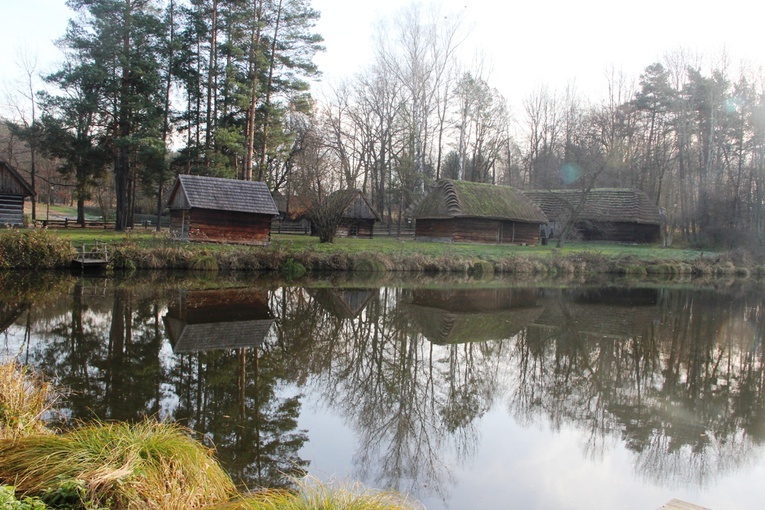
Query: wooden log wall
622,232
229,227
477,230
11,210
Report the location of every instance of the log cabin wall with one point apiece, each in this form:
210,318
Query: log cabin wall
622,232
477,230
11,210
517,232
229,227
433,230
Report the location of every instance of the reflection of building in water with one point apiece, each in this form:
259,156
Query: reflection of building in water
203,320
451,316
9,312
343,303
616,313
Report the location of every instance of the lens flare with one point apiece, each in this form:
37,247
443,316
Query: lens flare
570,173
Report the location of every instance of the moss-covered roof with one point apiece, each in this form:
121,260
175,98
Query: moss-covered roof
453,199
357,205
602,204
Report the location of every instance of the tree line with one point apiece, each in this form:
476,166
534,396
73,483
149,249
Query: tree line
152,88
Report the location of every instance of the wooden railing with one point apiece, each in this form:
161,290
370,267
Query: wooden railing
91,255
72,223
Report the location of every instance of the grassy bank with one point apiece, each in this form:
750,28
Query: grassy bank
118,466
146,249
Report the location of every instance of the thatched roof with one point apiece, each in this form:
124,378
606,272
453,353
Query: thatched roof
602,204
441,326
357,206
458,315
200,192
453,199
291,207
598,313
342,303
11,181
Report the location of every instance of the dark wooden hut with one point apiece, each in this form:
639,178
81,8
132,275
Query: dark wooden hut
343,303
204,320
594,314
462,211
13,190
451,316
221,210
293,214
359,216
608,214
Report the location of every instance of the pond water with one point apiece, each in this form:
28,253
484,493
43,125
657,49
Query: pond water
488,394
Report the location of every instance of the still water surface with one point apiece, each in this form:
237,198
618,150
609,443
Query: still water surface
466,394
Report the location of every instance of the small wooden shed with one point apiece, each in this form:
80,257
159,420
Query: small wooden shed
221,210
13,190
470,212
608,214
359,216
205,320
293,213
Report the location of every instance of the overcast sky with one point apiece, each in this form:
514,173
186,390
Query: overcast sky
529,43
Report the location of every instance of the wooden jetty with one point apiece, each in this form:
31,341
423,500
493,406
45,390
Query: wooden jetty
91,256
676,504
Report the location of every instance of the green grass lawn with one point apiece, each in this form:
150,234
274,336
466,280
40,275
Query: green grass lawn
388,246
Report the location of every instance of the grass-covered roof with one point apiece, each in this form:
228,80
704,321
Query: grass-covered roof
601,204
356,204
454,199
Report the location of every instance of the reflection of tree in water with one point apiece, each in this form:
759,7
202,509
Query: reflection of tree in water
232,393
678,382
111,367
105,343
413,403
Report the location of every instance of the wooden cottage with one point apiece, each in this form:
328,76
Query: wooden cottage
221,210
343,303
293,214
359,216
595,314
608,214
13,190
204,320
452,316
469,212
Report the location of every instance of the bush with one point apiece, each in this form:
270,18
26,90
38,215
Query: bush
8,500
204,263
292,269
33,249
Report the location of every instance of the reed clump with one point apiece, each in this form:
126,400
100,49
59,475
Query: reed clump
314,495
117,466
24,399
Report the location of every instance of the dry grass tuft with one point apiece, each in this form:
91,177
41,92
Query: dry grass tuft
314,495
120,466
24,400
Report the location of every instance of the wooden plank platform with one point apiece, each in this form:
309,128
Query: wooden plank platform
676,504
91,256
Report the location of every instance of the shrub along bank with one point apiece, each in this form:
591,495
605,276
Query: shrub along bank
294,255
119,466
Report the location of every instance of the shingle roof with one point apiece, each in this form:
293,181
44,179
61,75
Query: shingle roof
602,204
222,194
9,172
452,199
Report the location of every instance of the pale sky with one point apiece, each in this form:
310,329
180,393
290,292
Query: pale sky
529,44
